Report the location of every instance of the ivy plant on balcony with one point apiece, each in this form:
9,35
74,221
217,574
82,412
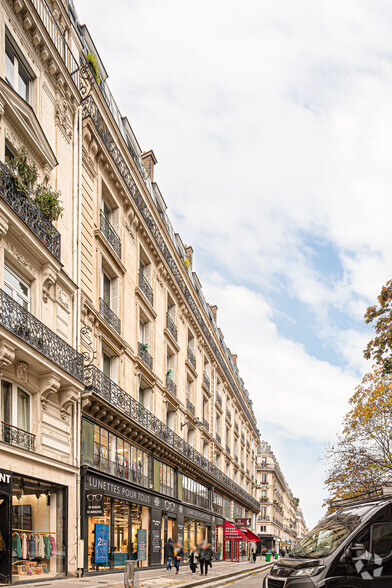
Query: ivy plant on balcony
92,60
24,175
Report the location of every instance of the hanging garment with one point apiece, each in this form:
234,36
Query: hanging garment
47,547
40,546
32,547
53,546
24,546
16,546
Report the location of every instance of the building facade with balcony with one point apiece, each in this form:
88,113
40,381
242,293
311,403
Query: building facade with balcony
42,373
277,522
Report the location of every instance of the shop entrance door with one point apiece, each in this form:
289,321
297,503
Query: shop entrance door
168,531
228,554
5,538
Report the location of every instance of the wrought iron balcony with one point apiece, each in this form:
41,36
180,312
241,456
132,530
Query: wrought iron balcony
228,449
110,234
15,436
228,413
144,354
190,407
171,327
206,381
146,288
97,382
24,325
170,385
29,213
219,399
218,438
110,317
206,424
191,357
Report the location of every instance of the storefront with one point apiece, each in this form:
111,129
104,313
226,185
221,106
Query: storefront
33,528
236,545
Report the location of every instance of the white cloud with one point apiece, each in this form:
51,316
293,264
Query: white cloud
270,120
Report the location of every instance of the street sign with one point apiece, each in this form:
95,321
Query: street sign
243,522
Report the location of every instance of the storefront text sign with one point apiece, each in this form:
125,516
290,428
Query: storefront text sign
198,515
118,490
242,522
142,544
231,532
95,505
6,482
101,543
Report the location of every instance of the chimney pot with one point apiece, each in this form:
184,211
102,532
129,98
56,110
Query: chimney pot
214,310
189,255
149,160
234,357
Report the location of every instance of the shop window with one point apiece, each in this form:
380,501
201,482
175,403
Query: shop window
167,480
218,503
38,529
98,559
227,508
16,73
15,407
17,288
195,493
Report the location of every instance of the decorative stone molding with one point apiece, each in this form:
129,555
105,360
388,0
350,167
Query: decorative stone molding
19,257
67,397
49,384
49,279
7,354
63,119
3,225
22,370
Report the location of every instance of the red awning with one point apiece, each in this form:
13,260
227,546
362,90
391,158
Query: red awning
251,536
231,532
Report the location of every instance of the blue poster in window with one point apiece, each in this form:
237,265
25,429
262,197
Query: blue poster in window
142,545
101,543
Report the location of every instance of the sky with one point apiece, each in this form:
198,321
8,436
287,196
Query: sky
272,126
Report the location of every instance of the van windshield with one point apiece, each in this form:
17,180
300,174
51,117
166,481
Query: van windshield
327,535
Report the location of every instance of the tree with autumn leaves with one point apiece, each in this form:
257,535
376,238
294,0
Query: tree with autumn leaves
361,459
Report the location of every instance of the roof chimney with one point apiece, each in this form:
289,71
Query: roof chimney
149,160
234,357
214,310
189,255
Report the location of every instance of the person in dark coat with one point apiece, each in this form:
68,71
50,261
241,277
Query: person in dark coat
178,555
193,559
168,553
205,558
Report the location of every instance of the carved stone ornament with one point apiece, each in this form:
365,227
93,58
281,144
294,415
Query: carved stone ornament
50,278
49,384
22,370
7,354
67,398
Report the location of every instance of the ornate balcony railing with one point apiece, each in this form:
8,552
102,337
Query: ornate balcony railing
110,317
171,327
101,385
90,109
110,234
219,399
218,438
144,354
278,522
146,288
190,407
228,449
15,436
228,413
191,357
206,424
29,213
206,381
24,325
170,385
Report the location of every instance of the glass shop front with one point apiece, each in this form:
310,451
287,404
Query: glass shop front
33,527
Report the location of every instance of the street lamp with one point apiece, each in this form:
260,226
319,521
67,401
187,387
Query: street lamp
197,423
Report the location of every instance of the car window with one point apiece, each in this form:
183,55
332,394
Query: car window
381,539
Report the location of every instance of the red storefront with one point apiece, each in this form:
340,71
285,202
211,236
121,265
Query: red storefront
237,543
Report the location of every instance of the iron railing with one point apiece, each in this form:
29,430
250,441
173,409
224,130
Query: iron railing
110,234
24,325
190,407
170,385
191,357
90,109
26,209
97,382
109,315
206,381
219,399
146,288
15,436
171,327
144,354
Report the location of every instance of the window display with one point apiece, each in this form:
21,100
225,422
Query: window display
38,529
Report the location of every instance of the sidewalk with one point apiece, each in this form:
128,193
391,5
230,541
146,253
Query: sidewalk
159,578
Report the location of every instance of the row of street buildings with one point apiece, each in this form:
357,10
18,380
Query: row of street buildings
124,419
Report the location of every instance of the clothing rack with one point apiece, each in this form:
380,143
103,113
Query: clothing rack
34,532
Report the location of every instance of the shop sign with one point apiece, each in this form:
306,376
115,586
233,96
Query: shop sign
95,505
231,532
118,490
101,543
5,482
243,522
142,544
198,515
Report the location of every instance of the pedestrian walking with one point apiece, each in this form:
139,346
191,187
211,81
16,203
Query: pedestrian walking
254,553
194,559
205,558
168,553
178,555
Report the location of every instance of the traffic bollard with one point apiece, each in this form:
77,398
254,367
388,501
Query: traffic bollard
130,580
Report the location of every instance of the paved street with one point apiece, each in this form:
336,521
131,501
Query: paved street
254,581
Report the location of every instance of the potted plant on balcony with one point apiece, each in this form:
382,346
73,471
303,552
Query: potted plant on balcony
93,62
